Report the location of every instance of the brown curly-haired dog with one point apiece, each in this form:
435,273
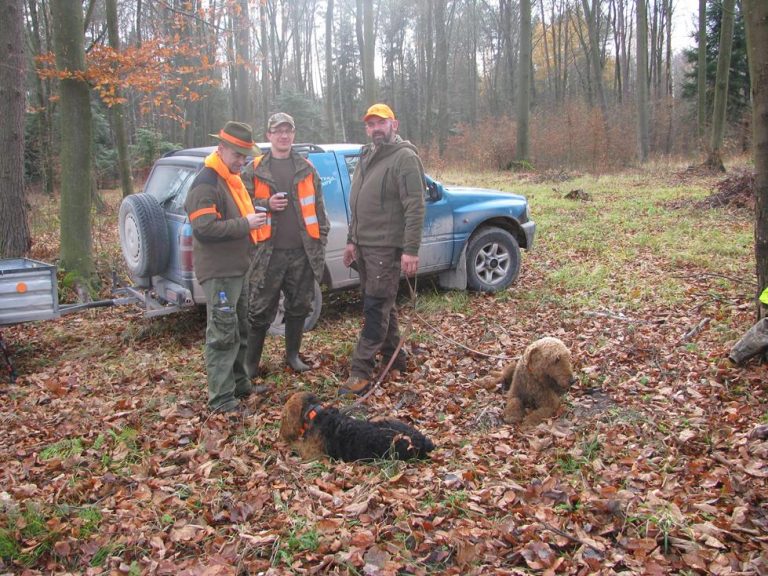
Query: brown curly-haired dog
537,382
314,430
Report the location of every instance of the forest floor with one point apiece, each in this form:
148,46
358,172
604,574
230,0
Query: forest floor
656,463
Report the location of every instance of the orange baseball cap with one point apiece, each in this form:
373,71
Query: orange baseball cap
380,110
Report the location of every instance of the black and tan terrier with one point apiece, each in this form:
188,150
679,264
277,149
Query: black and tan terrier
315,430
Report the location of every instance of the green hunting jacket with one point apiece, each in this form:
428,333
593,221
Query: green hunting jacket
222,246
387,197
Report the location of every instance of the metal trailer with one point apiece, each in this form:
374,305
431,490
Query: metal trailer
28,293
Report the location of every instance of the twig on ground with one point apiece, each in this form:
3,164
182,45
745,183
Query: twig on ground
695,330
571,538
717,275
612,315
459,344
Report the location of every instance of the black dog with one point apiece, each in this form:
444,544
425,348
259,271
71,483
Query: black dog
315,430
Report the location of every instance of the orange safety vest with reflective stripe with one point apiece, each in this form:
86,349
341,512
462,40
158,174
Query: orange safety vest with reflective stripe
306,190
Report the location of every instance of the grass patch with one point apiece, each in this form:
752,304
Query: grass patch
63,449
455,302
574,461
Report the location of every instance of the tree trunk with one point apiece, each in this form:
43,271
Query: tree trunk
14,227
266,89
701,79
593,28
241,24
44,106
75,113
472,69
138,23
668,79
643,129
427,71
524,82
441,69
331,130
714,159
118,118
368,52
296,10
756,23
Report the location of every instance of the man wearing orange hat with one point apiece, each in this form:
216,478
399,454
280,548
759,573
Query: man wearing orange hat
224,226
387,216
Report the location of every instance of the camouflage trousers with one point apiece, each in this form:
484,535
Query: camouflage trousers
226,335
752,343
379,269
288,271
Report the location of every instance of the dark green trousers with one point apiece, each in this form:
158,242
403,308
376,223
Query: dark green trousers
226,336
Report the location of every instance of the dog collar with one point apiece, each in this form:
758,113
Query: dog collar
309,415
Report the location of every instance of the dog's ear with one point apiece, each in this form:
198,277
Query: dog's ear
534,360
293,415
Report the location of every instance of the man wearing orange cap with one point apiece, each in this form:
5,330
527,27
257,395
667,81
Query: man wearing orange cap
224,233
387,216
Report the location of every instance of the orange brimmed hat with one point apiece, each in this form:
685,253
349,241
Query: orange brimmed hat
380,110
239,137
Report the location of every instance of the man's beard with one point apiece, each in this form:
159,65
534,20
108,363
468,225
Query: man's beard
381,137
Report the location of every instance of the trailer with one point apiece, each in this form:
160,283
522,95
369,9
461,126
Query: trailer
29,293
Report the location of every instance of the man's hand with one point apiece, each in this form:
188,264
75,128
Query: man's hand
278,202
409,264
256,220
350,255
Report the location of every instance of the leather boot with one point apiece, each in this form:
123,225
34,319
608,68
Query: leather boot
256,339
294,330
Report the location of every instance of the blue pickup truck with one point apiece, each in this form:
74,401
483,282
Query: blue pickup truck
472,236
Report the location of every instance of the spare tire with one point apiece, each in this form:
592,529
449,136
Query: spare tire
143,236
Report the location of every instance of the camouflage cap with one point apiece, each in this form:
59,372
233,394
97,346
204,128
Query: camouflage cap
280,118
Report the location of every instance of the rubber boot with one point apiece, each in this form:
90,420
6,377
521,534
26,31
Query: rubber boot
294,330
253,353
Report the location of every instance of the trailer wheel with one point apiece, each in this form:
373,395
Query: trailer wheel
143,236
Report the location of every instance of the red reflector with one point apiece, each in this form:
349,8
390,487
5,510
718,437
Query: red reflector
185,253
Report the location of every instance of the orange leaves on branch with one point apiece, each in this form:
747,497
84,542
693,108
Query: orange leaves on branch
163,73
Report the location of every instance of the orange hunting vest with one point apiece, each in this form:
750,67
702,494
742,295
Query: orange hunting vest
306,190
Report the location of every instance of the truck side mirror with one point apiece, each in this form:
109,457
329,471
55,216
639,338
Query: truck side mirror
433,191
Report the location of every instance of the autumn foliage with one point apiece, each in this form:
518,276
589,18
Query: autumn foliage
165,74
654,465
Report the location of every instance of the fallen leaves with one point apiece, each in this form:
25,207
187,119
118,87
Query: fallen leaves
657,463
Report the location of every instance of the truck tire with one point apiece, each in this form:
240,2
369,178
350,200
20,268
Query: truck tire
278,326
493,260
143,237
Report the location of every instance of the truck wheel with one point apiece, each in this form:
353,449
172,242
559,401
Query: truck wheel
278,326
143,236
493,260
